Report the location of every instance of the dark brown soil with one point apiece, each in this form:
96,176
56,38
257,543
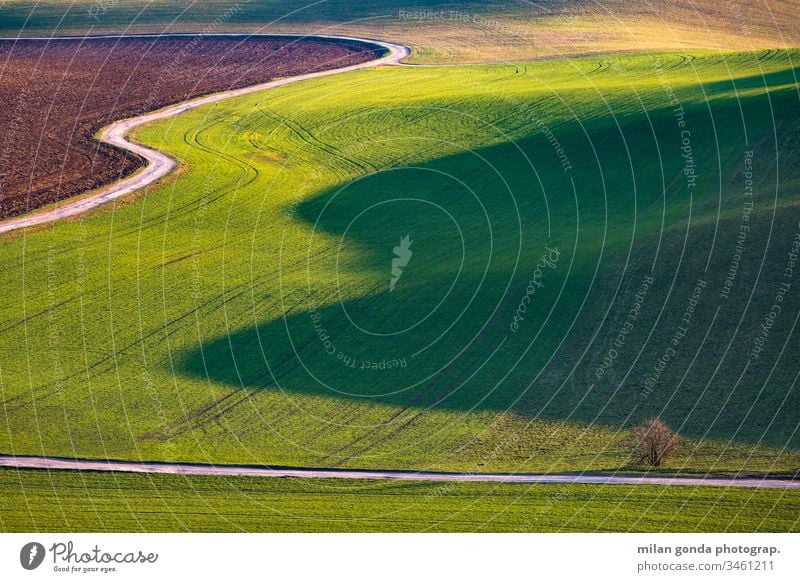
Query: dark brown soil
54,96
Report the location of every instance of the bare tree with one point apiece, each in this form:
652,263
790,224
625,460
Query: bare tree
653,442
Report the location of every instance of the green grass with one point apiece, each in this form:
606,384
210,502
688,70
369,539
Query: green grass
455,31
181,326
77,502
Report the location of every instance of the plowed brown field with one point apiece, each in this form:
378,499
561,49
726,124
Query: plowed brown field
55,95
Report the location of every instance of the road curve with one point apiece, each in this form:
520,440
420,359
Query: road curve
158,164
62,464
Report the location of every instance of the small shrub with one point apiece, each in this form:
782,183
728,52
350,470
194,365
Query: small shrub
653,442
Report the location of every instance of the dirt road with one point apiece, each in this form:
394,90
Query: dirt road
59,464
159,164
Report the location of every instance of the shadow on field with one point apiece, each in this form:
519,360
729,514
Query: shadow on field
430,322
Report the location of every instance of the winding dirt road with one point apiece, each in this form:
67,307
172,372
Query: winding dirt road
159,164
60,464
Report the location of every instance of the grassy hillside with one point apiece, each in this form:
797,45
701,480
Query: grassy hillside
577,266
442,30
58,502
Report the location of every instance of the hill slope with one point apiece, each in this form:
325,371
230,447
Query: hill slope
575,262
443,30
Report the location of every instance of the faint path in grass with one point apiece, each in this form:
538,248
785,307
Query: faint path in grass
61,464
159,164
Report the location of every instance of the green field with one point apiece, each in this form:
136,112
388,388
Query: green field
455,31
241,312
75,502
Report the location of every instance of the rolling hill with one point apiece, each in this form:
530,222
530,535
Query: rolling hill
442,30
577,264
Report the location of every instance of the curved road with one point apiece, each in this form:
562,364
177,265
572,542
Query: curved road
159,164
59,464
